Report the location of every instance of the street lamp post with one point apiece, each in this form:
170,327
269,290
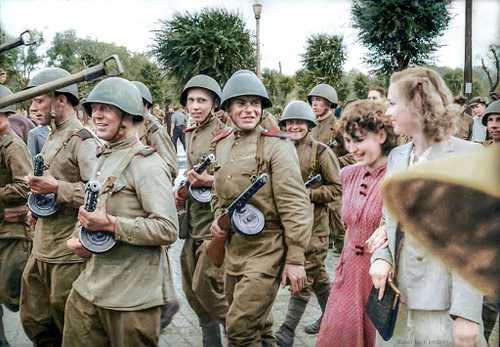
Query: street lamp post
257,10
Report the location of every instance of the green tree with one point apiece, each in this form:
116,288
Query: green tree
399,33
280,87
74,54
360,86
215,42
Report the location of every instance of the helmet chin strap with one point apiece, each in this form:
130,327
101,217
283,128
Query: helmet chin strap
52,112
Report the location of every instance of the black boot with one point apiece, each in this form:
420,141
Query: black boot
286,333
167,313
322,296
210,332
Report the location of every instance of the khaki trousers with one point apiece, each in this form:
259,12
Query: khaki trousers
202,282
14,254
250,298
93,326
45,288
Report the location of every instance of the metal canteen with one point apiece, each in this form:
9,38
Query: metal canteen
248,221
203,195
97,242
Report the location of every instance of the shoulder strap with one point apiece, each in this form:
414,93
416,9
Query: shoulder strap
84,134
314,160
48,160
131,153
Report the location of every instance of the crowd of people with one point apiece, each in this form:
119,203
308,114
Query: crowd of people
291,187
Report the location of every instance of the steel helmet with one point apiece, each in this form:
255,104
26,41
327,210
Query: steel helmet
4,91
146,94
298,110
493,108
244,83
325,91
51,74
205,82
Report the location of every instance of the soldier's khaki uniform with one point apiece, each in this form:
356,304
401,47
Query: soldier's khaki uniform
117,299
202,282
315,158
155,135
15,238
69,155
253,263
326,132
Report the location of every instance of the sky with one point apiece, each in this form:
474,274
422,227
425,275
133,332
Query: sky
285,25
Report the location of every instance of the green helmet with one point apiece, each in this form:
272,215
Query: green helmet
298,110
51,74
493,108
146,94
325,91
205,82
118,92
4,91
244,83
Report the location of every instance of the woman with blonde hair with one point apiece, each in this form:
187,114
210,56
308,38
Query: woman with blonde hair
438,308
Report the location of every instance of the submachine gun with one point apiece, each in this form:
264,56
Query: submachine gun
25,38
199,194
96,242
41,205
312,181
240,217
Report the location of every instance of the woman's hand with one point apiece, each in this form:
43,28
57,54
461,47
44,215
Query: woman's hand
377,240
381,272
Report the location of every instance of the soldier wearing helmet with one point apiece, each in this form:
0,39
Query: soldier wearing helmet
153,134
202,282
315,158
491,120
69,158
15,239
118,299
255,265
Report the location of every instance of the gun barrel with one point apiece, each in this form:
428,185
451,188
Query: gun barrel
25,38
89,74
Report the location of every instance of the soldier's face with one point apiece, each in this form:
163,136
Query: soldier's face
107,121
246,111
3,77
40,109
199,104
320,106
375,96
366,147
477,109
297,129
493,125
405,120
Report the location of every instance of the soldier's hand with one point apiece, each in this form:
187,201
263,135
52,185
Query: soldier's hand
99,220
218,233
296,274
179,201
30,219
203,180
377,240
76,247
45,184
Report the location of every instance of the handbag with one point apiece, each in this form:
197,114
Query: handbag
383,313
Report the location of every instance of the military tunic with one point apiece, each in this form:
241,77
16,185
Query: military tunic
202,282
326,132
15,239
156,136
253,263
117,298
69,155
316,158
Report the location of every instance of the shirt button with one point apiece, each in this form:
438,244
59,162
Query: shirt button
229,176
98,173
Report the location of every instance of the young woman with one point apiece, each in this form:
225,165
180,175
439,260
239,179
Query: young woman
369,137
438,308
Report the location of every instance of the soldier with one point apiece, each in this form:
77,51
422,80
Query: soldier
314,158
202,282
117,299
491,120
478,106
153,134
253,264
15,239
69,156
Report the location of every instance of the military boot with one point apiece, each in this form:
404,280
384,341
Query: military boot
3,339
286,333
167,313
322,296
210,332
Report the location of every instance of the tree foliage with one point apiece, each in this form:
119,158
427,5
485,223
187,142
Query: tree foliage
74,54
360,85
215,42
323,62
399,33
280,87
